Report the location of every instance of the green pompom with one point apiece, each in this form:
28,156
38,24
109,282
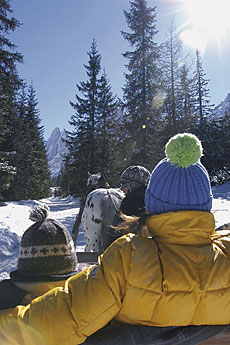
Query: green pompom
183,150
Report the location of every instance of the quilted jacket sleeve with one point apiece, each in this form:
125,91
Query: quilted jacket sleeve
68,315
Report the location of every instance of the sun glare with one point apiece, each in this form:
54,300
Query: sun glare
207,19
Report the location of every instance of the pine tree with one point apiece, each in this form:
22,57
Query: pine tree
32,179
218,149
39,179
178,84
171,58
201,92
18,187
225,154
108,131
91,144
141,81
212,159
9,85
207,129
82,140
63,178
187,119
7,173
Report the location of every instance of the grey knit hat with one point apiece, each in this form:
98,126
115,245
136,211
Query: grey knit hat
136,175
47,251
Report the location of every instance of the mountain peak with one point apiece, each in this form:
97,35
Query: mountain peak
222,107
227,99
56,149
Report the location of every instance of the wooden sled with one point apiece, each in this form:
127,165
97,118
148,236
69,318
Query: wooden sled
87,257
219,339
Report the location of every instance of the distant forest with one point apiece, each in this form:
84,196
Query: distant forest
163,94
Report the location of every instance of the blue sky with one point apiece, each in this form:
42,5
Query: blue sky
56,35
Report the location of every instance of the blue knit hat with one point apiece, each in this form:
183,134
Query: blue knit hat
179,182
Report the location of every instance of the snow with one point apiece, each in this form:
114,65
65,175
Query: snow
221,203
14,220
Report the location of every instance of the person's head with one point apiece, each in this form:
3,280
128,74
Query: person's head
46,252
134,177
179,182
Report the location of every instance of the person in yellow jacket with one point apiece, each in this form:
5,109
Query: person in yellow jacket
177,274
46,259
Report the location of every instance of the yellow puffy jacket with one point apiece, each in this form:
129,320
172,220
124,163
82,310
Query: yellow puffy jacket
179,276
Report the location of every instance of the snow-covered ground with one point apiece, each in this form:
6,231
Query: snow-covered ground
14,220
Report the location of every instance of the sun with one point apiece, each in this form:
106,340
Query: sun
207,19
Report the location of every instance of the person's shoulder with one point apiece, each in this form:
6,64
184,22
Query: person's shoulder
10,294
140,192
132,241
5,282
131,249
136,194
7,285
121,244
123,241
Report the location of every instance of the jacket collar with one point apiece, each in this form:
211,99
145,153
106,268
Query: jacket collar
182,227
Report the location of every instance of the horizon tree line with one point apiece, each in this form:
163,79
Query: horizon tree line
163,94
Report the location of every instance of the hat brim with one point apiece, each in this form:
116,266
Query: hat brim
17,277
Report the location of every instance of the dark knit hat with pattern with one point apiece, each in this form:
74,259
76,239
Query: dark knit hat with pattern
47,251
136,176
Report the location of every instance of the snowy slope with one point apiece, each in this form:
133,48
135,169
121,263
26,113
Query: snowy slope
14,221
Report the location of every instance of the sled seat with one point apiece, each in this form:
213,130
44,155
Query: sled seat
87,257
220,339
146,335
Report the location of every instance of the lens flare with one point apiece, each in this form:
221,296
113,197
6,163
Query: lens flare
207,20
158,100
